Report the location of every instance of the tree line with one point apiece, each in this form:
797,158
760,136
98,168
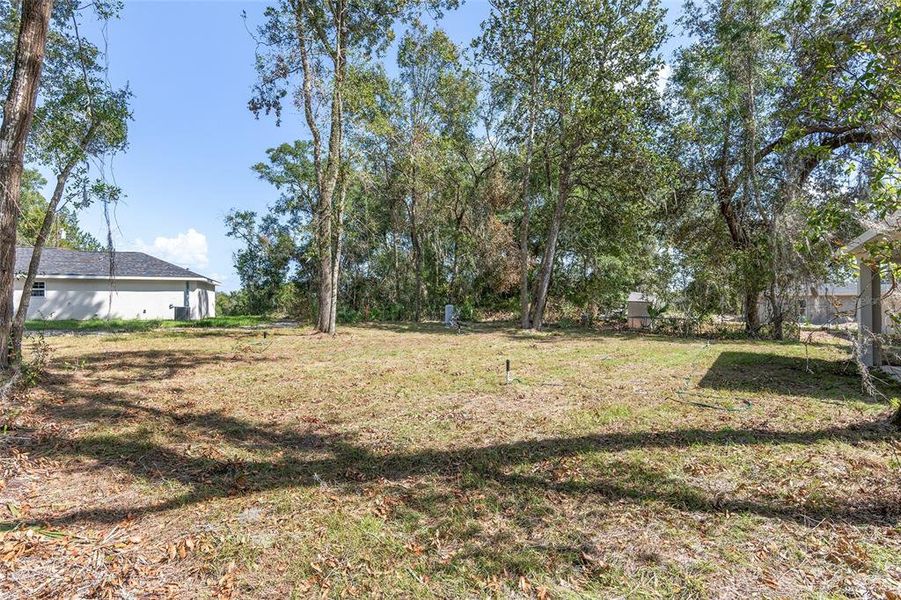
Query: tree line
541,171
549,166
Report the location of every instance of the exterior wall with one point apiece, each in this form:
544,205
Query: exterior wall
841,308
202,300
637,315
891,306
129,299
830,309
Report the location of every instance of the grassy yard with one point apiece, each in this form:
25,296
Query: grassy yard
393,461
133,325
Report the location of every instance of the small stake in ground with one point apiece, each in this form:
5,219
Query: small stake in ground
508,372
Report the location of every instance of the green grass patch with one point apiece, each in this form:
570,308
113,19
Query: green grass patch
137,325
392,460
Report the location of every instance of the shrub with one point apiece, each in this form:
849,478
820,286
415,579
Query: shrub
348,315
466,311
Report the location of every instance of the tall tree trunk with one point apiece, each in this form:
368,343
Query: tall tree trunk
395,259
417,260
437,261
324,235
327,175
455,271
18,328
327,266
751,310
455,292
416,245
395,254
18,112
524,258
547,260
327,263
336,254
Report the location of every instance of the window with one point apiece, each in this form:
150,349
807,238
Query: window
37,289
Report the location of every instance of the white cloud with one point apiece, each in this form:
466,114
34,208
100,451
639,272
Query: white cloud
663,76
185,249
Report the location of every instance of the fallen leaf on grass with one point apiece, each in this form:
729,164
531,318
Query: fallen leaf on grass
851,554
181,549
414,548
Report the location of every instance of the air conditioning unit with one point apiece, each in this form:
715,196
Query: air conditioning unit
181,313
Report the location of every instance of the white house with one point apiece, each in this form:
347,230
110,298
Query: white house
71,284
826,304
838,304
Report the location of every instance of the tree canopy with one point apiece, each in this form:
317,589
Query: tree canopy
549,167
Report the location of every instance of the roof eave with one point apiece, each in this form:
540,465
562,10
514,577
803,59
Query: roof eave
124,277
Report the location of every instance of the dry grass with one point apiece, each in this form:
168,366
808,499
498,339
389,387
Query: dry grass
393,461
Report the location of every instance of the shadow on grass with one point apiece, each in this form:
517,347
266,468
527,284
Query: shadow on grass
430,327
306,457
548,335
136,366
759,372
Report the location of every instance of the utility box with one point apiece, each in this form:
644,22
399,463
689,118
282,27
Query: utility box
448,315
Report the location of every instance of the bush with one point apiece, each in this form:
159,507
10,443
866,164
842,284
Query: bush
348,315
231,303
466,311
40,357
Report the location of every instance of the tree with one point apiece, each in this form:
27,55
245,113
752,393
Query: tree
515,43
853,68
68,136
291,220
311,47
437,99
263,263
73,117
65,231
18,113
595,64
763,98
80,117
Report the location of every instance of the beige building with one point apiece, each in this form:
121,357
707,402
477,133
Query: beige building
72,284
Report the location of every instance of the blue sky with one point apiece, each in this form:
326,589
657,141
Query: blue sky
192,141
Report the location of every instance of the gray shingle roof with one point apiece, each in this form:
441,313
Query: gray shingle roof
641,297
59,261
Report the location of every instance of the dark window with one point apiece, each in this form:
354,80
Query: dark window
37,289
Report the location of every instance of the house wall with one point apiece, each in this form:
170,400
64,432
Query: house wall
830,309
839,309
129,299
203,300
890,306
